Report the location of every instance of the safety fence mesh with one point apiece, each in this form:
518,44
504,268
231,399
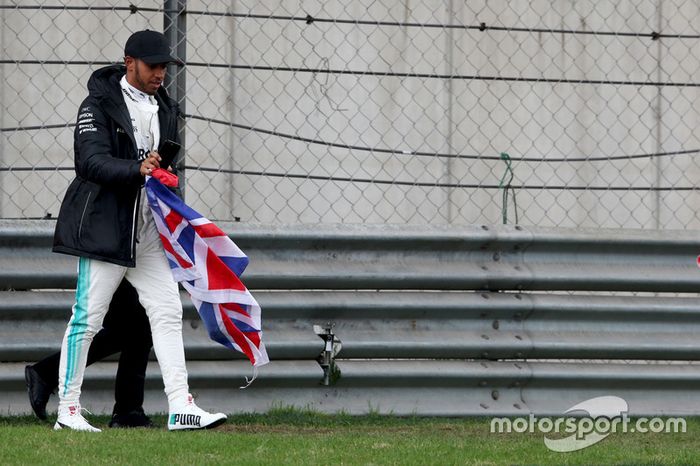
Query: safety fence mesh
549,113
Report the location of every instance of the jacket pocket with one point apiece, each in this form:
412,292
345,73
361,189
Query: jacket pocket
82,215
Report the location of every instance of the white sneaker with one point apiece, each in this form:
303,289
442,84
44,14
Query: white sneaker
189,417
71,418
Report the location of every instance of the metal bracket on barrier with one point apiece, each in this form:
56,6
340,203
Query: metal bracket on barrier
331,372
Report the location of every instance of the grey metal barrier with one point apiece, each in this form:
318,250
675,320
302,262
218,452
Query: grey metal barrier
446,321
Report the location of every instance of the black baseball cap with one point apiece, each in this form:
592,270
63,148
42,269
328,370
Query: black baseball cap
150,46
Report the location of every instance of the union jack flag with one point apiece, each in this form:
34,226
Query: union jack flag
208,264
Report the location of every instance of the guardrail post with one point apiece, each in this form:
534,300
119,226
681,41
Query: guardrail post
331,372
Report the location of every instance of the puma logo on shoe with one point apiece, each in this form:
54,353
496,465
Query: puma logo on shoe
188,416
186,420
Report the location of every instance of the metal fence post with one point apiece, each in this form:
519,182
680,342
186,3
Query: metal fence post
658,117
175,29
449,67
2,111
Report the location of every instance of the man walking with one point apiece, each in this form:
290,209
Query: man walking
105,220
125,330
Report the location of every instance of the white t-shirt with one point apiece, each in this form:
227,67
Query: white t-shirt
143,110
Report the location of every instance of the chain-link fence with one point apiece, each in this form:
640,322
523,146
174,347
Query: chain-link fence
383,111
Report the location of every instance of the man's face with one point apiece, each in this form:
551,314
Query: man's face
144,77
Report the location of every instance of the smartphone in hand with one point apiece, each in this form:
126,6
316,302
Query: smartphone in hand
168,152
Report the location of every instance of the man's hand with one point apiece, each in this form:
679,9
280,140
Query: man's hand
150,163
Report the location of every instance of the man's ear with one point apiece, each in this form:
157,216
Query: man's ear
130,63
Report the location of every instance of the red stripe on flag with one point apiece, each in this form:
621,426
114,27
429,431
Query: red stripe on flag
184,263
254,337
236,334
235,307
208,230
220,277
173,219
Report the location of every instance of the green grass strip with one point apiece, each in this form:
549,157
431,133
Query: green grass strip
297,437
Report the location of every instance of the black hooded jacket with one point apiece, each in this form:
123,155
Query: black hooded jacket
99,212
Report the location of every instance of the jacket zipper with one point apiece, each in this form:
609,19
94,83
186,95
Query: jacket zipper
82,216
134,221
129,129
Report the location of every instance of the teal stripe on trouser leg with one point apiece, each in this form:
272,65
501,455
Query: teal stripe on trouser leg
78,322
